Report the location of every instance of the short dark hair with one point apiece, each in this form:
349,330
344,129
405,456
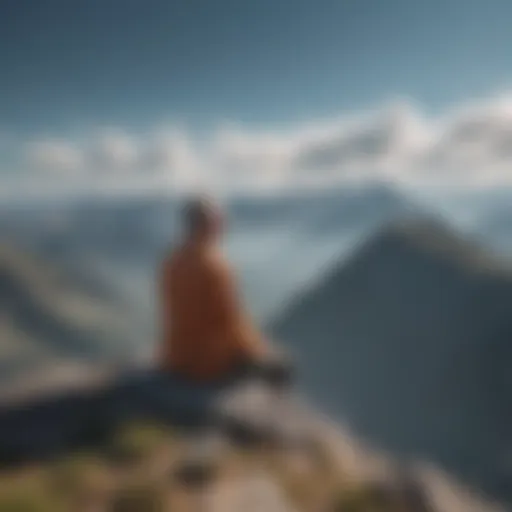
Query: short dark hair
196,212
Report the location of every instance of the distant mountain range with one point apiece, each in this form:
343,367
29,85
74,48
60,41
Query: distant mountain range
275,242
135,231
409,342
139,229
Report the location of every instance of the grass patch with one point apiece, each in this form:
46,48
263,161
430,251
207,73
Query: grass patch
28,493
135,442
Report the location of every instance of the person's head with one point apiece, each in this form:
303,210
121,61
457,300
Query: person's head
203,219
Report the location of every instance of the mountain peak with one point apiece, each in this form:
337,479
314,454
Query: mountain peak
408,258
426,238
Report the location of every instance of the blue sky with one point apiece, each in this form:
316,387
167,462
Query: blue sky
69,63
71,68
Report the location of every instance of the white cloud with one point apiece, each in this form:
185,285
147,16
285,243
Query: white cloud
113,150
55,155
470,144
383,142
114,156
171,153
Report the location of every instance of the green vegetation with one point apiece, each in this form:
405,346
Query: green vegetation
134,473
135,442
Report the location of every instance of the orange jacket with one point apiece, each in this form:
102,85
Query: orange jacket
205,330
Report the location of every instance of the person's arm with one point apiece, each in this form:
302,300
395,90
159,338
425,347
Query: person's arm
164,291
231,313
164,317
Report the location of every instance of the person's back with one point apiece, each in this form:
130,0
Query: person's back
206,332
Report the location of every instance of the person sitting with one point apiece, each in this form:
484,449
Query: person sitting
207,334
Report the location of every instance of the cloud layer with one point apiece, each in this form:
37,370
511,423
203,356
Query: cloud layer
470,144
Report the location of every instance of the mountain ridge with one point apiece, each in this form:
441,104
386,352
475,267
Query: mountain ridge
47,316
